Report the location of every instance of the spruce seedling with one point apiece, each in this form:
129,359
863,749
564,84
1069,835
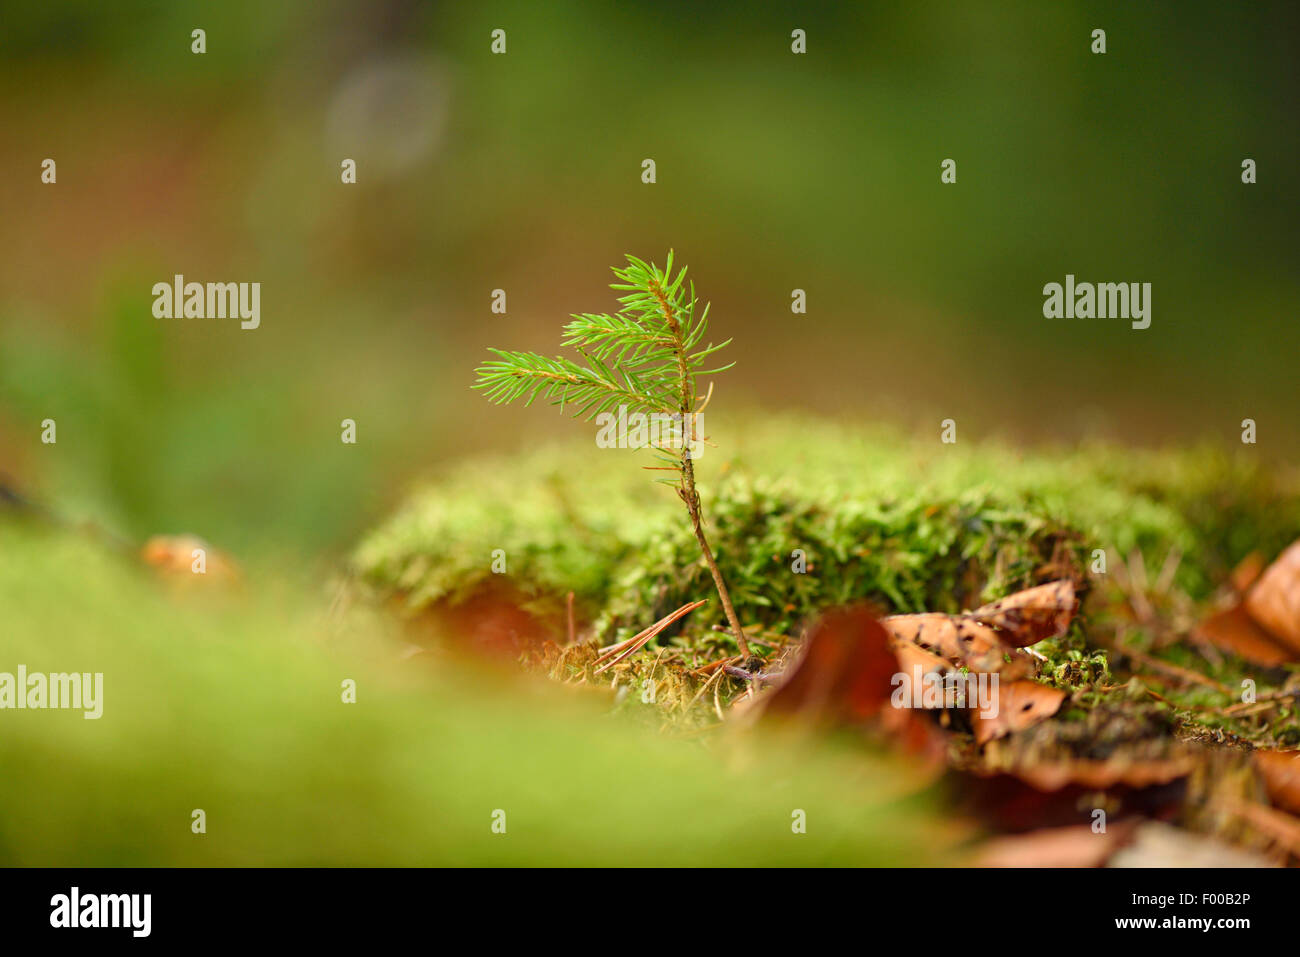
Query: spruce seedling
647,357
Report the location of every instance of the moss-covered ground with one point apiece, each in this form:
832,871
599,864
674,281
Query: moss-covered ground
909,524
227,697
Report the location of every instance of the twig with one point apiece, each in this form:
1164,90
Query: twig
1268,699
1170,669
1137,570
716,675
712,666
1206,650
616,653
1282,828
1165,579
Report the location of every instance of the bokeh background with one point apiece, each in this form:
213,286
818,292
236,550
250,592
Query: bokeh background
522,172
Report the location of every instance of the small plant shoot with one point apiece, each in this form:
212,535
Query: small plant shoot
647,358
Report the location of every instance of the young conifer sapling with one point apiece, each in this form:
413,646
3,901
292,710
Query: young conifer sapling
647,357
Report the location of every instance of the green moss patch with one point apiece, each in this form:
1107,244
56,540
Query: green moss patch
911,524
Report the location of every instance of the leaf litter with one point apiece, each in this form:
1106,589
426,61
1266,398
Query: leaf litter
1070,745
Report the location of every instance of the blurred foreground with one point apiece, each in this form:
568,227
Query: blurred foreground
230,701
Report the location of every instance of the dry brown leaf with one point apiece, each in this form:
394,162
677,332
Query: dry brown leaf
933,632
1018,803
845,675
1032,615
1274,600
952,637
845,669
1264,626
910,657
1021,704
491,622
1247,572
1235,631
1052,776
1281,773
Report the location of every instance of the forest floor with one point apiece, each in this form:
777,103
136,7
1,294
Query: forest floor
537,635
1147,642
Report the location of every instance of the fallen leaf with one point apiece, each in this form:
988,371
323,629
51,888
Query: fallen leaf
1052,776
845,669
935,633
1281,773
845,675
1247,572
1020,705
954,638
1235,631
1032,615
491,621
1008,801
910,657
1263,626
1274,600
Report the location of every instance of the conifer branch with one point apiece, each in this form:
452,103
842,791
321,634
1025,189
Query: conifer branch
647,356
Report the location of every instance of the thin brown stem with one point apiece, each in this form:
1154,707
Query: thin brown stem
572,630
692,499
687,489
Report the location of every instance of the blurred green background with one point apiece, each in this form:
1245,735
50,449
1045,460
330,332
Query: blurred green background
522,172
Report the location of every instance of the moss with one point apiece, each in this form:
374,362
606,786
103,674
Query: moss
910,524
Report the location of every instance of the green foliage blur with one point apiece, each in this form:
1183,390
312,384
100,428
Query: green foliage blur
231,702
